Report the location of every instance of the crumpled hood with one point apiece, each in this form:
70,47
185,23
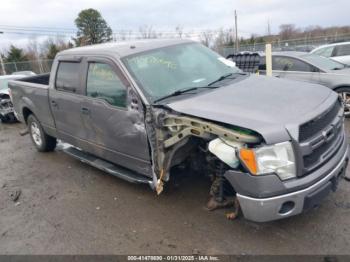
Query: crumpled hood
270,106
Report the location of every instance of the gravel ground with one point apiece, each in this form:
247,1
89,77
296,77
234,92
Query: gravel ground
67,207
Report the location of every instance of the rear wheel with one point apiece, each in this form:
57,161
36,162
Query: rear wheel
344,93
42,141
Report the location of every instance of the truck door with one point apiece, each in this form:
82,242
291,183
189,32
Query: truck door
114,116
65,98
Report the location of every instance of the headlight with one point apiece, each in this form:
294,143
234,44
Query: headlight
278,158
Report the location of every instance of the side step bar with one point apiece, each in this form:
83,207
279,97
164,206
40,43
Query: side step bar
108,167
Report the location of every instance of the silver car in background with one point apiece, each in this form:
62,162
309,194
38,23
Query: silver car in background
339,52
312,68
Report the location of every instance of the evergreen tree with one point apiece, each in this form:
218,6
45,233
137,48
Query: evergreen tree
15,55
92,28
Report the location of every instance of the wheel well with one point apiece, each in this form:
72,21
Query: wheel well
339,87
26,113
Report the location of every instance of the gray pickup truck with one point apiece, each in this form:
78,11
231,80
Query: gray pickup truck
140,110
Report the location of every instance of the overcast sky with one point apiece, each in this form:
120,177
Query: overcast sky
167,14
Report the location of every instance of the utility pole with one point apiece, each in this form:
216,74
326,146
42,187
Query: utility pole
236,33
268,27
2,62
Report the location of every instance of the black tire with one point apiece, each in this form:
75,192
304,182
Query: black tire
42,141
344,93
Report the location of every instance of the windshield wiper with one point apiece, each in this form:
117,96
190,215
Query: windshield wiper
220,78
183,91
223,77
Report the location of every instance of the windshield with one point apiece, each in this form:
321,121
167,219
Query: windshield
323,62
163,71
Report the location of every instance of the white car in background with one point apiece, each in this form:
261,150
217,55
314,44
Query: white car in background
339,52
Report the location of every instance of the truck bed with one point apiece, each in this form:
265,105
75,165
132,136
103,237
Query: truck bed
38,79
32,93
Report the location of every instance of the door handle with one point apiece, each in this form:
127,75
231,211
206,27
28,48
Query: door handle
69,88
85,111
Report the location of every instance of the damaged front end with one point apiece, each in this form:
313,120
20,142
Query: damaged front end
205,146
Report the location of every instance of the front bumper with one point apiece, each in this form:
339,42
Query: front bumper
281,206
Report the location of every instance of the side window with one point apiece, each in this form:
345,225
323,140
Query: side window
290,64
326,51
104,83
342,50
67,78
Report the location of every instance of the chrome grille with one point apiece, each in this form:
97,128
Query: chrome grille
310,128
320,138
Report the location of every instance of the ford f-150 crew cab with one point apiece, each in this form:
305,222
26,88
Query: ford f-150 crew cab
138,109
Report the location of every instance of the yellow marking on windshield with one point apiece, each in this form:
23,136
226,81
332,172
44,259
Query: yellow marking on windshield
143,62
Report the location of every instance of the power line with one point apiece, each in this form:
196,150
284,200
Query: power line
69,31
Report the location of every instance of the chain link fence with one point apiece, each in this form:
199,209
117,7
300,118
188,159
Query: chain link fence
305,44
37,66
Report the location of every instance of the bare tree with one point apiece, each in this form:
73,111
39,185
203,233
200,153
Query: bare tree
33,49
288,31
52,46
206,38
147,32
223,38
179,31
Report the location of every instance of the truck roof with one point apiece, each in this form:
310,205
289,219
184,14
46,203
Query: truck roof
124,48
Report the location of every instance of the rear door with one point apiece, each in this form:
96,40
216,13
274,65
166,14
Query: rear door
66,98
342,54
295,69
114,116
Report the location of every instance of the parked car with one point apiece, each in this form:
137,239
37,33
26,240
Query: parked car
6,108
138,109
24,73
312,68
339,52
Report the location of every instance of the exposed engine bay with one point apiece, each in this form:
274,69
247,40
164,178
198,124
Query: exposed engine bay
203,146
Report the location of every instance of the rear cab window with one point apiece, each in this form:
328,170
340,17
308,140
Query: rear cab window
67,77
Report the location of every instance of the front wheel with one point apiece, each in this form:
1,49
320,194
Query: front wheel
42,141
344,93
